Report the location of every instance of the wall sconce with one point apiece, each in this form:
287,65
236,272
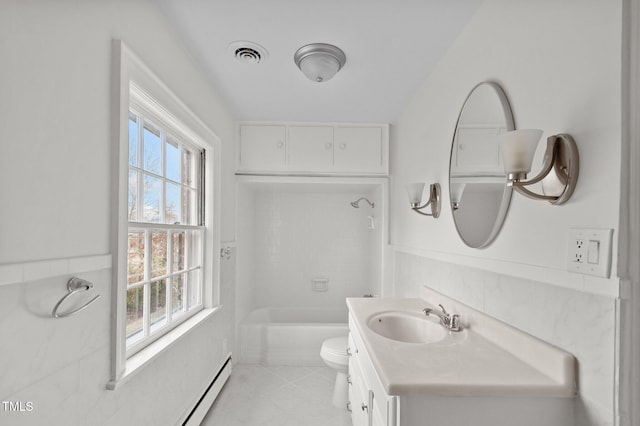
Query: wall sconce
560,168
415,190
319,61
456,190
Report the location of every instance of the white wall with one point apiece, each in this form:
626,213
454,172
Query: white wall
55,149
560,65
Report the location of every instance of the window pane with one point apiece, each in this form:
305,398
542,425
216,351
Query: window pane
179,248
135,301
152,197
189,206
188,168
177,293
158,254
173,204
133,196
172,160
194,254
158,303
135,261
193,289
133,140
152,150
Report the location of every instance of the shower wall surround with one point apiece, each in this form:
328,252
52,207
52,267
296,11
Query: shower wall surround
290,234
299,237
521,277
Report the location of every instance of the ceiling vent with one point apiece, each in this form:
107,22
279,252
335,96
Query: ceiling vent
248,52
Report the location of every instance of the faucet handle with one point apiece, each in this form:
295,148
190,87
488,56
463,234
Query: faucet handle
443,310
453,323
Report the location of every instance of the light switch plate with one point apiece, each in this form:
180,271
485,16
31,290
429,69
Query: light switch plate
589,251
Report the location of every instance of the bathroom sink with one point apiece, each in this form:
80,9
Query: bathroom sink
407,327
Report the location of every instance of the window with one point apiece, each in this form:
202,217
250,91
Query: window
166,220
165,233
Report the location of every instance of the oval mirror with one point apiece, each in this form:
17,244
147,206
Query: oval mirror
477,182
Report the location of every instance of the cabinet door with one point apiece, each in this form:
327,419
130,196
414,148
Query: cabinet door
378,410
310,149
358,397
261,148
477,151
359,149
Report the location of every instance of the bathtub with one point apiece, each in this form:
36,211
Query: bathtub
289,336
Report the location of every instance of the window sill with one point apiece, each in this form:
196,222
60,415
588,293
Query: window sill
137,362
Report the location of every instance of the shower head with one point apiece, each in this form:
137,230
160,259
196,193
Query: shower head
356,204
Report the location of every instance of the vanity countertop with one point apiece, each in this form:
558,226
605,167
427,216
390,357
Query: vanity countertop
486,358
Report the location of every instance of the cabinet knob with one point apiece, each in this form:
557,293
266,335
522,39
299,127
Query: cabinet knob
349,351
364,407
328,145
280,144
349,379
349,406
343,145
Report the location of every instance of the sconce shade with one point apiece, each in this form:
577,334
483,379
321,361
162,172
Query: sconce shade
414,190
560,168
319,61
456,192
518,148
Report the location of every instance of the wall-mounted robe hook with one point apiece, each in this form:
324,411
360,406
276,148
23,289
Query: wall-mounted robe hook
74,285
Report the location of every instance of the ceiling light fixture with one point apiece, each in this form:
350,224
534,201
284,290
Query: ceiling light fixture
319,61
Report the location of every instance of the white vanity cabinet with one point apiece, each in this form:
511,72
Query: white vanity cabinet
313,149
463,379
369,403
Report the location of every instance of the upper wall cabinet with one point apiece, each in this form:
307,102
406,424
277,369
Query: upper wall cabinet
313,149
262,147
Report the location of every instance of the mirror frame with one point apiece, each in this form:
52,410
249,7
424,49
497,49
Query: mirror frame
508,191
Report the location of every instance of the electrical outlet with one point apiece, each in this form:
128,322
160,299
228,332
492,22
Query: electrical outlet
579,250
590,251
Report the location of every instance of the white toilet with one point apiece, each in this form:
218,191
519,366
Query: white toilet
334,354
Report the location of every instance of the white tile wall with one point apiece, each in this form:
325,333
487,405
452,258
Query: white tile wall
293,237
581,323
61,366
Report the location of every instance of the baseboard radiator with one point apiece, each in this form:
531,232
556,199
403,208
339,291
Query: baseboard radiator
209,396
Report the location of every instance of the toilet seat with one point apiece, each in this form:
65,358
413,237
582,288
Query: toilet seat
335,350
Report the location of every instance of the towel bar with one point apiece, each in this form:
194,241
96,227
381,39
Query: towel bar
74,285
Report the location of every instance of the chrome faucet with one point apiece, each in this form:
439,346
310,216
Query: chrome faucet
448,321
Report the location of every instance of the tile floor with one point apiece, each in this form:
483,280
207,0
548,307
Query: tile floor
258,395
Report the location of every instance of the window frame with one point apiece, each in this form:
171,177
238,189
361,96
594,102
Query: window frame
137,88
166,134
